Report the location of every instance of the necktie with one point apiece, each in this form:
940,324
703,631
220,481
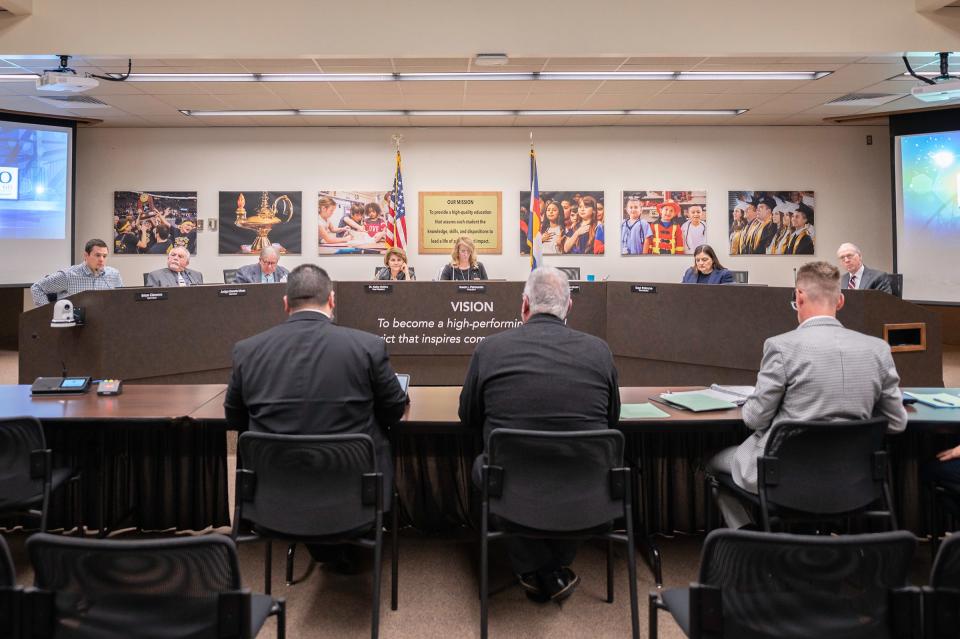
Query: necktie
180,280
853,282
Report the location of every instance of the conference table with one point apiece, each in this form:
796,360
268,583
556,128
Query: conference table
154,457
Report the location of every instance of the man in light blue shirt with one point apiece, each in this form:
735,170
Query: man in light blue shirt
91,274
266,271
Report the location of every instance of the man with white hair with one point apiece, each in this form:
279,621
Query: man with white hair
541,376
265,271
176,273
858,276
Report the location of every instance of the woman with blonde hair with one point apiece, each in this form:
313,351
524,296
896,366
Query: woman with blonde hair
395,266
463,262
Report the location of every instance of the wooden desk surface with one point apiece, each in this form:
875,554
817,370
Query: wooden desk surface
147,402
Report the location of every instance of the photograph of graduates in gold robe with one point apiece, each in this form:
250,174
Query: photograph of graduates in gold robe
251,220
570,222
154,222
663,222
771,222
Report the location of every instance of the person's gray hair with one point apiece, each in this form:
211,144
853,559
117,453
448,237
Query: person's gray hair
853,247
548,291
308,285
820,281
269,250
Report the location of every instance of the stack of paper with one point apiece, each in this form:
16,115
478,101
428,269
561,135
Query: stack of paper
641,411
697,401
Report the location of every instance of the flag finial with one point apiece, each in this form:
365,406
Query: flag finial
396,140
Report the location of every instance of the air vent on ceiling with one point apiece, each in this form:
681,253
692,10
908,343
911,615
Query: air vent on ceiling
72,102
864,99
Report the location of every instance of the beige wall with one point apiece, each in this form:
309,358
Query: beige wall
457,28
851,180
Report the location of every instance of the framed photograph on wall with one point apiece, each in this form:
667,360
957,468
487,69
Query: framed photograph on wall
250,220
352,222
153,222
771,222
571,222
663,222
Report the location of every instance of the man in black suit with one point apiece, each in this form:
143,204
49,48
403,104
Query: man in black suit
309,376
576,383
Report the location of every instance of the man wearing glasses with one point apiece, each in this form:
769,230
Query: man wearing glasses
266,271
820,371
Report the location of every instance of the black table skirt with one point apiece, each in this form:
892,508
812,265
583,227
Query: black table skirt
173,475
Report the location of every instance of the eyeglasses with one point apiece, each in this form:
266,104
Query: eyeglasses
268,263
793,305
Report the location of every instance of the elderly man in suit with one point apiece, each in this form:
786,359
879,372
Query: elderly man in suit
176,273
819,371
580,381
266,271
858,275
309,376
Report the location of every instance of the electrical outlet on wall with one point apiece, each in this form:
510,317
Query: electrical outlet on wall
212,223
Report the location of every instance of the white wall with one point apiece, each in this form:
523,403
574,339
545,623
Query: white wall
851,180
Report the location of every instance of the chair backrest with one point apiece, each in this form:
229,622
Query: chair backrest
741,277
560,481
307,485
896,283
19,483
946,565
145,275
156,588
8,574
572,272
824,467
230,275
792,586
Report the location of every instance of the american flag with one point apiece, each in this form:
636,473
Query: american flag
534,240
397,217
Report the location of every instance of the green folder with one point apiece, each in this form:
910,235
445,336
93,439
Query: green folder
641,411
696,401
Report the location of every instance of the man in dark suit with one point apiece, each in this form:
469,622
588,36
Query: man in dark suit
858,276
309,376
176,273
577,389
265,271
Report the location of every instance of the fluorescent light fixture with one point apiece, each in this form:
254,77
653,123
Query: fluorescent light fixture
459,76
462,112
752,75
491,59
484,76
19,77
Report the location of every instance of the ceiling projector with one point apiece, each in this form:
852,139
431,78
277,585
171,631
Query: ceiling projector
939,92
60,82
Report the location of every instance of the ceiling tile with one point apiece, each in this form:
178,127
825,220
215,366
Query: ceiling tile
203,65
254,102
600,64
399,121
596,120
494,87
178,120
360,101
303,91
493,101
290,65
851,78
677,64
430,65
199,102
554,101
240,88
612,101
751,119
333,120
139,104
628,87
433,88
432,102
354,62
159,88
735,100
347,88
434,121
565,86
471,120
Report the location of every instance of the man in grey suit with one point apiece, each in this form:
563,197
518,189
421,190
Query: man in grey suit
176,273
820,371
266,271
858,276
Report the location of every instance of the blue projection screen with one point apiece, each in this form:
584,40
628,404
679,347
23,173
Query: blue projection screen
36,181
928,215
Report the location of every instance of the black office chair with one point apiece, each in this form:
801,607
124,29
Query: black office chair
230,275
10,596
27,474
943,511
741,277
564,485
941,600
755,585
145,275
181,587
316,489
820,471
572,272
896,283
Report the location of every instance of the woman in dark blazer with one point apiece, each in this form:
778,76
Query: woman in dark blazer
706,268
